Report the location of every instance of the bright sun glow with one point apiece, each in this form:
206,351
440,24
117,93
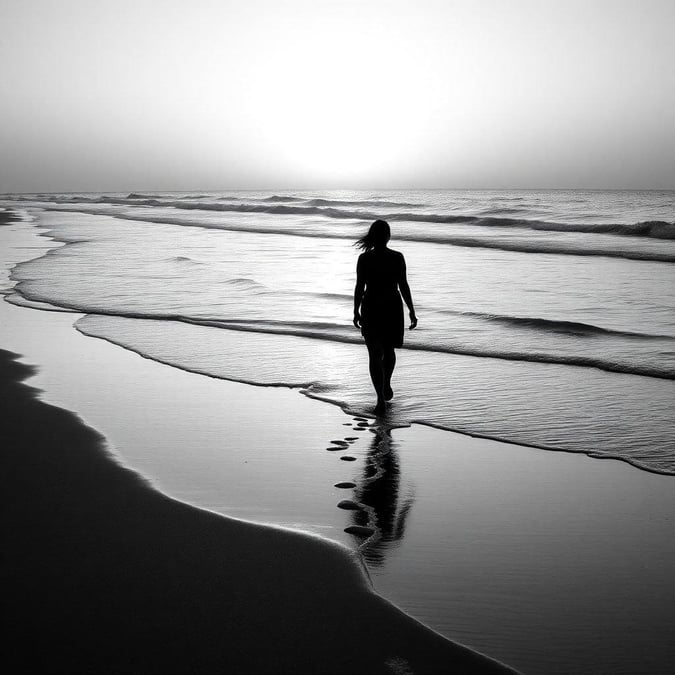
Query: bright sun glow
343,113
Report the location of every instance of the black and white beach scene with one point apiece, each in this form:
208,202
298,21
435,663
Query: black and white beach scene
337,337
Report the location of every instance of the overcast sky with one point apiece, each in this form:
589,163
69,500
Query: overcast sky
115,95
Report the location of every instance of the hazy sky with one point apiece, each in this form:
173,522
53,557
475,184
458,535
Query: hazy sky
115,95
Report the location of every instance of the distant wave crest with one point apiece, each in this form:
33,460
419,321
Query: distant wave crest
619,245
329,208
373,202
308,202
439,237
282,199
288,205
140,195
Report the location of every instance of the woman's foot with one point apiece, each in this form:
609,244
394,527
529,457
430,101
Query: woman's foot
388,393
381,407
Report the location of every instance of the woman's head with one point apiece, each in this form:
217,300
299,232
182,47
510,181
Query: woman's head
377,237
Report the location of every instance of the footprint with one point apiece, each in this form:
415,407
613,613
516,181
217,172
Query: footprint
345,485
348,505
344,444
348,458
351,438
333,448
363,425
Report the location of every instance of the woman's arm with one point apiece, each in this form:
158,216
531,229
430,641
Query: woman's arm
407,295
358,292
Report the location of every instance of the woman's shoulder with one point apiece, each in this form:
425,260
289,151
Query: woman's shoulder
378,255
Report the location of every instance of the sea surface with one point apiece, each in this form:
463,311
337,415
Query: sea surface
546,318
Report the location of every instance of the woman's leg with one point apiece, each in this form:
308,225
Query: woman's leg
388,365
376,368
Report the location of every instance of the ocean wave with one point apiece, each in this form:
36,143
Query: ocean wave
618,248
330,296
317,332
576,328
542,246
239,283
308,202
375,203
140,195
440,237
184,259
282,199
501,210
243,283
343,333
655,229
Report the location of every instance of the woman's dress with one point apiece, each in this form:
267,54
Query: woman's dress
381,306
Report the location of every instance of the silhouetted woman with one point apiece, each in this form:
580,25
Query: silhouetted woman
378,311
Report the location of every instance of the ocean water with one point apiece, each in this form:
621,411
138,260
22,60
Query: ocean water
545,318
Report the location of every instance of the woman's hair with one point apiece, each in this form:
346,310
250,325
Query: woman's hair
378,235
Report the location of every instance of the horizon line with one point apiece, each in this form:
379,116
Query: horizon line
362,189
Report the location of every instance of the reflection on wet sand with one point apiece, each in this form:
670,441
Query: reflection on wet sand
378,492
